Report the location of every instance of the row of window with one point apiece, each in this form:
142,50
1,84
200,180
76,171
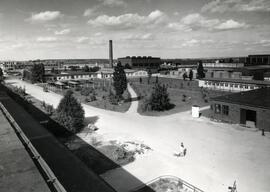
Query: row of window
220,109
230,85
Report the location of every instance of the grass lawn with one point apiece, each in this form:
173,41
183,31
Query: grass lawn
101,89
183,94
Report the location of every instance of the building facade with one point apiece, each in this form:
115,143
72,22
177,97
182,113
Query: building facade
251,108
152,63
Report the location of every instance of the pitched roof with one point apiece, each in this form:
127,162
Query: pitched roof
259,98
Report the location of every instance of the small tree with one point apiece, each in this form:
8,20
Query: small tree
156,79
200,71
70,113
185,76
159,99
190,75
149,73
86,68
1,75
37,73
119,80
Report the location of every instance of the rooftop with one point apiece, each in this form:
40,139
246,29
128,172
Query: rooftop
259,98
18,172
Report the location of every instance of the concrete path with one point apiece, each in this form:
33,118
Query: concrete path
134,104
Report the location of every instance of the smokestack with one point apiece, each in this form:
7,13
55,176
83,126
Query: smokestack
111,53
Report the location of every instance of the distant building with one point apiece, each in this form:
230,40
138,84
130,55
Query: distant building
258,60
251,108
144,62
108,73
232,85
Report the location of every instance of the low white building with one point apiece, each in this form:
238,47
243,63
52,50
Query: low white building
232,85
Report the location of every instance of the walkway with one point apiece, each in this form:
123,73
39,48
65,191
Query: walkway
134,104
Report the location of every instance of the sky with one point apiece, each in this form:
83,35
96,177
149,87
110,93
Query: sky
74,29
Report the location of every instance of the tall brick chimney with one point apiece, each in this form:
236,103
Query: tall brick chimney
111,53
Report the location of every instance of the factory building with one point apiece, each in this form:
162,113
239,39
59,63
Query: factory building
139,62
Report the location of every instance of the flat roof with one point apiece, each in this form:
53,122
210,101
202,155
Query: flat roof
18,170
254,67
257,82
259,98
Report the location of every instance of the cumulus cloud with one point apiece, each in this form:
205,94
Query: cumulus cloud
230,24
196,21
222,6
45,16
46,39
82,39
90,11
129,20
113,3
62,32
146,36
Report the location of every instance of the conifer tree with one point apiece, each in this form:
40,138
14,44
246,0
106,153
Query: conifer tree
70,113
200,71
159,100
119,80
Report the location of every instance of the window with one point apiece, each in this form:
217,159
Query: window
217,108
225,109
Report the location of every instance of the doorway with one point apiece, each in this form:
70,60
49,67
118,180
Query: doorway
248,117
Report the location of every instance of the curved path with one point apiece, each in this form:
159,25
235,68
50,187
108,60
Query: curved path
217,153
134,104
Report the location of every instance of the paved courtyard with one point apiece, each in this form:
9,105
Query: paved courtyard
217,153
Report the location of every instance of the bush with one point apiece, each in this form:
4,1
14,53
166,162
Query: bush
86,91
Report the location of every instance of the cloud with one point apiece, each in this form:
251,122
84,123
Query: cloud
196,21
230,24
82,39
90,12
146,36
90,40
46,39
62,32
129,20
45,16
222,6
113,3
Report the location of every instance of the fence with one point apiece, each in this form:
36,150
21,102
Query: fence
51,178
187,187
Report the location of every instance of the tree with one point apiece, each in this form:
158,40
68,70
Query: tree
1,75
159,99
185,76
127,66
119,80
37,73
190,75
149,73
156,79
86,68
70,113
200,71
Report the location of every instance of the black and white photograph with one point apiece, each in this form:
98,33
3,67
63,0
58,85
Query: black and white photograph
134,95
